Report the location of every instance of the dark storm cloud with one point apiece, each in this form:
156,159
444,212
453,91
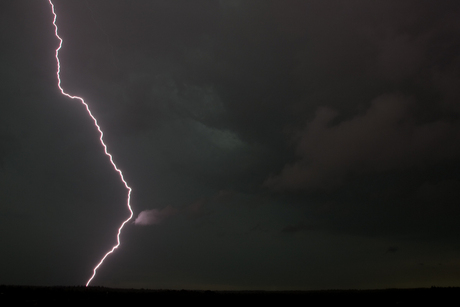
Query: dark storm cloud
282,138
385,138
389,48
302,97
296,228
392,249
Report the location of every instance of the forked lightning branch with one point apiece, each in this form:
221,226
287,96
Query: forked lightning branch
101,138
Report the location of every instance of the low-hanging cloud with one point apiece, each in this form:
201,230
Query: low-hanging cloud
155,216
194,210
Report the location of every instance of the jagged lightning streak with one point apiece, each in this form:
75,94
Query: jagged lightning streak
100,138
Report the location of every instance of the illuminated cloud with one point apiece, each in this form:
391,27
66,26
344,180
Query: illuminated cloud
155,216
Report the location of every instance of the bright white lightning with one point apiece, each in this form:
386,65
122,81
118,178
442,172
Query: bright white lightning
101,139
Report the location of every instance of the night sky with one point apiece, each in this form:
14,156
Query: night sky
270,145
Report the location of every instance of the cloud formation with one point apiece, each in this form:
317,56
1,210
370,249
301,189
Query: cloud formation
386,137
155,216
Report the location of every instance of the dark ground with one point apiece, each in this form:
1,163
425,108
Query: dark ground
80,296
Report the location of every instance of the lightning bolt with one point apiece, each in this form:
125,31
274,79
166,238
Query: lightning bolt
101,140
